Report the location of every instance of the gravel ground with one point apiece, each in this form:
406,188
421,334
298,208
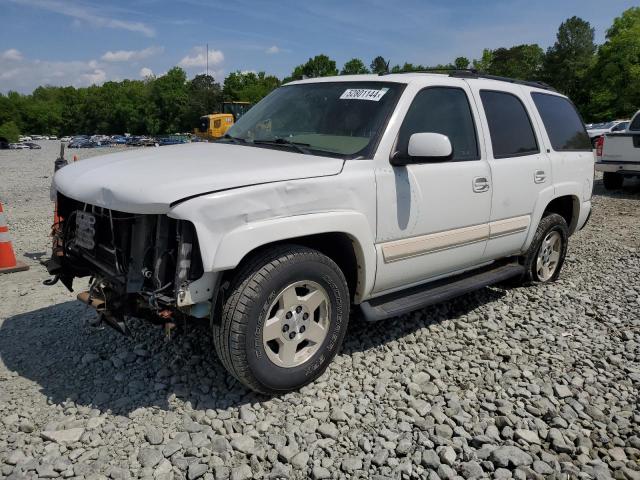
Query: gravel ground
537,382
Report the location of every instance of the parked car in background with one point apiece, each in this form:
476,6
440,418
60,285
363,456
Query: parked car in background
25,139
618,154
4,143
32,146
53,137
18,146
601,128
385,193
82,143
65,139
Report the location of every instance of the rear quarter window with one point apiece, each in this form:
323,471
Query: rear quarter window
635,123
562,122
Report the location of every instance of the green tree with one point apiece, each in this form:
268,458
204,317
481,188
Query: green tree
204,96
521,61
318,66
10,131
248,86
483,64
355,66
379,65
461,63
615,79
569,61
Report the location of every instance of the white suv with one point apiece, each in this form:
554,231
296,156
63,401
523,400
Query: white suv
387,193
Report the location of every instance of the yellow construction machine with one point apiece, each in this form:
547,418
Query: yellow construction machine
215,125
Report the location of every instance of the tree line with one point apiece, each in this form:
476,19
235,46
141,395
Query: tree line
603,81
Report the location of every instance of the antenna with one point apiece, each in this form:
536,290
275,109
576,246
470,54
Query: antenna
207,59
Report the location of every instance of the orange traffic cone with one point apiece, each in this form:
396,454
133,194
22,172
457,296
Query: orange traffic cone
8,262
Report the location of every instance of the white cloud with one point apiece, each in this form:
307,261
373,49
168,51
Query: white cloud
29,74
272,50
131,55
11,54
97,77
146,72
198,58
78,12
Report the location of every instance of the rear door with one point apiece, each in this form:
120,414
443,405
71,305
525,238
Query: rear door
520,168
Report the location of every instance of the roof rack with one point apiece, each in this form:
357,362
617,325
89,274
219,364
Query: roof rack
473,73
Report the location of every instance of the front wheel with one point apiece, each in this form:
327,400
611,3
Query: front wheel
545,257
284,319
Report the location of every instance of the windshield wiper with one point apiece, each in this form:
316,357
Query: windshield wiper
238,140
300,147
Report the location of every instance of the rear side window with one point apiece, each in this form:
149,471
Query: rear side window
562,122
510,128
635,123
442,110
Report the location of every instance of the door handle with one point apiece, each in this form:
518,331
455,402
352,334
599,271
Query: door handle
539,176
480,184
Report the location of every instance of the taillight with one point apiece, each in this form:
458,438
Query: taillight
599,146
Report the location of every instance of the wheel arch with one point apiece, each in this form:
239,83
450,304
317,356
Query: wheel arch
568,207
349,243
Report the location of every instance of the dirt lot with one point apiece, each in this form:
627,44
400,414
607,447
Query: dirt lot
540,382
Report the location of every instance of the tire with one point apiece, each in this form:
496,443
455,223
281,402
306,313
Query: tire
551,226
612,180
258,305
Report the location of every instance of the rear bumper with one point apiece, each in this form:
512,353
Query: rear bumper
624,168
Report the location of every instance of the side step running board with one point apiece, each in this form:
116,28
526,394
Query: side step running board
415,298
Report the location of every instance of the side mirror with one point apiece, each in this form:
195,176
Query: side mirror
426,147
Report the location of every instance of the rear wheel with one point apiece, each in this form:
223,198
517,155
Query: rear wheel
547,251
612,180
284,319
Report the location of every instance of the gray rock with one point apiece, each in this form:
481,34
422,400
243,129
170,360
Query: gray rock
153,436
351,463
300,460
430,459
63,436
320,473
243,472
149,457
171,448
244,444
328,430
447,456
542,468
562,391
471,469
509,455
528,436
196,470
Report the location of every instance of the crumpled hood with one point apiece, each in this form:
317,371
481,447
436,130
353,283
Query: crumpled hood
149,180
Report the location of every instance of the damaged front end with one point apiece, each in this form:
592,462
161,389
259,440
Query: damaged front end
142,265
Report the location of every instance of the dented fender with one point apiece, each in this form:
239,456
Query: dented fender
232,223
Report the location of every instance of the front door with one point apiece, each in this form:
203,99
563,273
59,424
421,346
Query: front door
433,216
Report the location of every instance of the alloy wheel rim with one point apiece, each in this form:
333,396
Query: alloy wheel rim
548,256
296,324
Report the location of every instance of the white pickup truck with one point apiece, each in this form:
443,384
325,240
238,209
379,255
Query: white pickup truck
384,193
618,154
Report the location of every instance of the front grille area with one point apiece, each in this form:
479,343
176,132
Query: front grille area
132,253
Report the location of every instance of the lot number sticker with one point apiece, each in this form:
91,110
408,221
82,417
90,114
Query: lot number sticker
363,94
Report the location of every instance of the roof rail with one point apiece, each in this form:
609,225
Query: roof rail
473,73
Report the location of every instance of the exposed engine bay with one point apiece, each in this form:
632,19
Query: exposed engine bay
138,264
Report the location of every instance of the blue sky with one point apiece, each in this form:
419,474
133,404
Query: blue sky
68,42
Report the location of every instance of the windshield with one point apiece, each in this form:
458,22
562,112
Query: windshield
326,118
